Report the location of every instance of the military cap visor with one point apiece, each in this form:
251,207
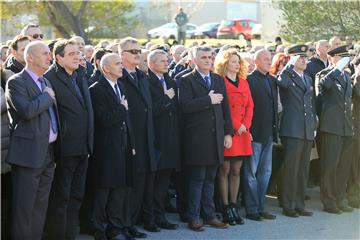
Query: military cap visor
342,51
298,50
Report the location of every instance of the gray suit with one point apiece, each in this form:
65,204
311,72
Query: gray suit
30,154
297,129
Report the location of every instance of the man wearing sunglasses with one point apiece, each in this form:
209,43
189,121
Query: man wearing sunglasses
136,84
33,31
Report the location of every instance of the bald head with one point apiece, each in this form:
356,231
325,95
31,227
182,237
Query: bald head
111,66
37,57
263,60
80,42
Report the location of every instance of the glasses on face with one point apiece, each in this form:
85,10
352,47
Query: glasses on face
133,51
38,36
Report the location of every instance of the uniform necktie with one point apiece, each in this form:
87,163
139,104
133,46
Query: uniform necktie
207,81
304,80
51,109
77,89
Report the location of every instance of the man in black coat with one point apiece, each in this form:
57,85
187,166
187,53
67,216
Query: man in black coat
140,111
76,120
16,61
165,110
34,129
316,64
111,164
336,127
257,170
207,126
297,131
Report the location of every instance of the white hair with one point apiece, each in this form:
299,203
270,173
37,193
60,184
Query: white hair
105,60
154,54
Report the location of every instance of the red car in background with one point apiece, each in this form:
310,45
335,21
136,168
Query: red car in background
236,29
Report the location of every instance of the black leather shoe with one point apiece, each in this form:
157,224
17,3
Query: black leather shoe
121,236
267,216
127,234
135,233
167,225
303,212
346,208
237,217
228,216
254,217
290,213
151,227
307,197
184,218
333,210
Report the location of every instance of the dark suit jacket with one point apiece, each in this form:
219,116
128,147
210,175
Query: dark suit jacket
265,117
356,106
335,93
113,141
314,65
29,121
205,124
299,115
140,110
165,111
76,116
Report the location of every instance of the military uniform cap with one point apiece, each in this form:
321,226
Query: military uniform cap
342,51
300,49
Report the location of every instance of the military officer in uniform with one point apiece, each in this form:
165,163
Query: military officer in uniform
336,127
297,131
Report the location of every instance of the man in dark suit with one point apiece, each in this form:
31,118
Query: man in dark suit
297,131
111,163
207,127
337,131
76,119
257,170
140,112
164,100
34,132
316,64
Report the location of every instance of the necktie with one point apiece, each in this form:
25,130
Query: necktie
77,89
268,86
207,81
163,84
117,90
51,109
134,76
304,80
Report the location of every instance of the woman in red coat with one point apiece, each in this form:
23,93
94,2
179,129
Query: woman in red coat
234,69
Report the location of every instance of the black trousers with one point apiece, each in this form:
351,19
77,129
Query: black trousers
66,197
295,171
110,213
354,180
155,196
136,195
31,189
336,159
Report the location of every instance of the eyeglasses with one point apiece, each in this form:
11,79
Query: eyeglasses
133,51
38,36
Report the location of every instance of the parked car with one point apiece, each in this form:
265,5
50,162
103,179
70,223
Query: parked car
256,31
207,30
169,30
236,29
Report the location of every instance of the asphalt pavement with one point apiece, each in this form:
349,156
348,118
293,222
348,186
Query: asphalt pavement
321,225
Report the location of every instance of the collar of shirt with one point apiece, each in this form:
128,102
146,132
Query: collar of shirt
203,76
112,84
130,72
34,77
300,75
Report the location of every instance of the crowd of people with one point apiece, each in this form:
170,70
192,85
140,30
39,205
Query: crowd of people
107,129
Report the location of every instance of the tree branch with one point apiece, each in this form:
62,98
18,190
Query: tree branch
82,9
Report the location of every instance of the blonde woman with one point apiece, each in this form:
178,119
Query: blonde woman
233,68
